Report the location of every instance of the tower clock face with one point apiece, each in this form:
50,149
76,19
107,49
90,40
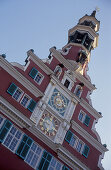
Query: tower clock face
49,124
58,101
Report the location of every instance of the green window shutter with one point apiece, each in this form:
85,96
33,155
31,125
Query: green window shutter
33,73
4,130
65,168
45,161
24,146
31,105
87,120
85,151
12,89
68,136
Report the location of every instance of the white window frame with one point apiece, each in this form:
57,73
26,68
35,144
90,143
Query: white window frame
76,141
84,114
82,147
34,153
71,82
20,94
19,140
25,95
42,77
2,121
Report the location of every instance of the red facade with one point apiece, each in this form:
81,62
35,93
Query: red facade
47,120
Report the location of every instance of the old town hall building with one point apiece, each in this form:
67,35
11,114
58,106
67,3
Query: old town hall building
47,121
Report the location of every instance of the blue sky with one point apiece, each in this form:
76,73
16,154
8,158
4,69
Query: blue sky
38,24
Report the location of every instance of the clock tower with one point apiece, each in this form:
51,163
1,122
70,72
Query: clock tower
46,113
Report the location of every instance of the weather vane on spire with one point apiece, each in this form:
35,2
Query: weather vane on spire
94,12
97,9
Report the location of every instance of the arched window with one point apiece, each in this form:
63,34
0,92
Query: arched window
78,89
58,70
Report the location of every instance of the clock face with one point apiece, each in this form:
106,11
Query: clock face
49,124
58,102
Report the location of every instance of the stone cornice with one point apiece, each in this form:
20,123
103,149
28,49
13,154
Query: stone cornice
90,109
15,115
88,137
61,59
39,62
70,159
19,77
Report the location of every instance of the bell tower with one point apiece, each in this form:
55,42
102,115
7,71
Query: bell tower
82,38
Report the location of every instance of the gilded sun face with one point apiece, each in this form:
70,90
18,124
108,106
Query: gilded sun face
49,124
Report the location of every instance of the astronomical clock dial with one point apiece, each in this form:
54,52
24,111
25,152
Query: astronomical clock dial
58,102
49,124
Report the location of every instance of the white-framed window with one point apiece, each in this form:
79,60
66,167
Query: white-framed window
25,100
36,75
13,138
67,82
81,116
34,155
39,77
84,118
55,164
77,143
73,141
80,146
17,94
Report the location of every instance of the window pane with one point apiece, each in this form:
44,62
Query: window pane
31,105
8,140
12,89
29,141
13,144
24,151
25,138
79,146
24,101
29,157
86,151
8,124
1,119
68,136
13,130
17,94
18,134
72,141
20,148
38,78
87,120
33,73
45,166
81,116
41,163
34,161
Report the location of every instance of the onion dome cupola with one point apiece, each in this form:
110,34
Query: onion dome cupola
85,32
